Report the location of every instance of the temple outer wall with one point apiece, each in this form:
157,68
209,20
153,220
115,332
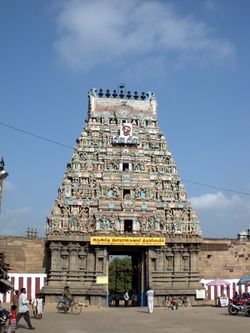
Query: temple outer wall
224,258
24,255
28,264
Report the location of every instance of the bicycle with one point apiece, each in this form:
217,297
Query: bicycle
182,301
166,302
170,303
73,307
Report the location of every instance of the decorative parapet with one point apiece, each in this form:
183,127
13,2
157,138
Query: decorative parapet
135,107
121,94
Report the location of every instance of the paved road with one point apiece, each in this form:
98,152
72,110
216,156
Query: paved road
136,320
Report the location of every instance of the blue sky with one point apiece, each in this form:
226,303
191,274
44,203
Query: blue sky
194,54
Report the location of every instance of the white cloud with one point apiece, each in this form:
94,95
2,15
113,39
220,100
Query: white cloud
222,216
95,33
211,201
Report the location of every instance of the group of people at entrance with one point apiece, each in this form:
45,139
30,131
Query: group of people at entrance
117,299
127,299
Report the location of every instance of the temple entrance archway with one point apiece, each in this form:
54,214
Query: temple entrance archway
128,273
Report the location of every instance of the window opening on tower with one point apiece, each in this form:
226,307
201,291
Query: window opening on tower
128,225
125,166
126,194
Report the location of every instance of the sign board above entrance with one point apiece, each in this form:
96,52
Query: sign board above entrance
134,241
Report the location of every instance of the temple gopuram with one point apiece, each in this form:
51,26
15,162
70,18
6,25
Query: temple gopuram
122,195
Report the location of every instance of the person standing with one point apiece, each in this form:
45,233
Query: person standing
67,297
126,298
150,298
236,296
117,299
40,306
16,299
23,310
134,298
174,304
34,306
12,320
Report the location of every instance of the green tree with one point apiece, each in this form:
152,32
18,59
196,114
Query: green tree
120,275
5,284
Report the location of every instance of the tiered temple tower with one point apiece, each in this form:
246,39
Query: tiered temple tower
122,194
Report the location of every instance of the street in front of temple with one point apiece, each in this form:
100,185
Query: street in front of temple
205,319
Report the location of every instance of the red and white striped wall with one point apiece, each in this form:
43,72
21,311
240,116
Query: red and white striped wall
216,291
32,282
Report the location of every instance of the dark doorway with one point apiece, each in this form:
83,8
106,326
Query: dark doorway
128,225
126,194
125,166
126,274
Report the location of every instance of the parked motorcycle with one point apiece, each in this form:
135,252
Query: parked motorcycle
239,305
246,308
4,316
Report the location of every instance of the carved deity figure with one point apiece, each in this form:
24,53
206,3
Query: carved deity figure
169,214
115,222
84,211
138,190
89,166
151,222
144,223
116,191
56,210
82,226
65,211
74,210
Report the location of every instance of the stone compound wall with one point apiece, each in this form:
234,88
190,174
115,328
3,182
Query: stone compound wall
27,260
24,255
224,258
